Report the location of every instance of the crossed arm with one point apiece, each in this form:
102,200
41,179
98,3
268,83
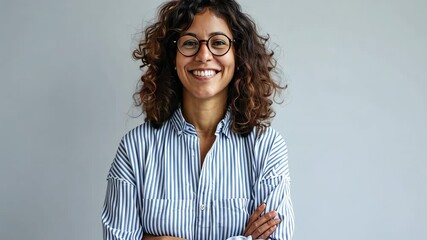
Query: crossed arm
259,225
262,224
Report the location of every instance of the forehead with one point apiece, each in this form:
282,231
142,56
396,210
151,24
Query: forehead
206,23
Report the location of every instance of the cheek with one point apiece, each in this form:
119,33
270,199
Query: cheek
229,63
181,74
180,64
181,61
178,61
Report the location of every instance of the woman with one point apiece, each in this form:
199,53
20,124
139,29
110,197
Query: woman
206,157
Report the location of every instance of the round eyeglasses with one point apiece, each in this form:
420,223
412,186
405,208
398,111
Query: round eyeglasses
189,45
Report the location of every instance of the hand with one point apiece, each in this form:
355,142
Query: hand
152,237
261,226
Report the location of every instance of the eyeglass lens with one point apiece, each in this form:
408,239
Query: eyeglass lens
218,45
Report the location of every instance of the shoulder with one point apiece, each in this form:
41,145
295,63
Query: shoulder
128,152
271,152
139,133
268,138
136,143
262,140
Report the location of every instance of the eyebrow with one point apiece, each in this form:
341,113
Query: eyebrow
195,35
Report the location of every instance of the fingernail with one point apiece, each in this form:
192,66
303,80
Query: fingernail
273,214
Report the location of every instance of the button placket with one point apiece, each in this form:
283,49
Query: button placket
204,198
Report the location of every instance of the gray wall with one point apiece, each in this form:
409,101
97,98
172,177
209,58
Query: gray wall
354,118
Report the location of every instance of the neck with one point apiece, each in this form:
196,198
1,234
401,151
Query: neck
204,115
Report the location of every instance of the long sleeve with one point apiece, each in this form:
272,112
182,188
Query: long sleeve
273,183
120,216
273,186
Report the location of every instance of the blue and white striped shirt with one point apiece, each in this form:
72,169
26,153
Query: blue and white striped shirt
156,184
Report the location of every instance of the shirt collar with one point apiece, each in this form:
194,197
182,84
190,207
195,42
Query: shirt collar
183,127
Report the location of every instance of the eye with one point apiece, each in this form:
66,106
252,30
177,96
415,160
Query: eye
190,44
218,43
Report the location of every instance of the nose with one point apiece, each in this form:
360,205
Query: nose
203,55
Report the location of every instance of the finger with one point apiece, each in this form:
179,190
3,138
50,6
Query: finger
268,233
260,221
257,213
260,231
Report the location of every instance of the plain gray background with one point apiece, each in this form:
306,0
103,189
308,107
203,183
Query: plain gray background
354,116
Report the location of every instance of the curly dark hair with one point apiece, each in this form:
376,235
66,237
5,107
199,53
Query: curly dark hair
252,86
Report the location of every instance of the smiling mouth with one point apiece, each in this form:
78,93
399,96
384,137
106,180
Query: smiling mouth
204,73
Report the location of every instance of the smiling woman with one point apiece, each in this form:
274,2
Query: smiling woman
206,164
204,75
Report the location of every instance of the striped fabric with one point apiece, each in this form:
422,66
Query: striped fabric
156,184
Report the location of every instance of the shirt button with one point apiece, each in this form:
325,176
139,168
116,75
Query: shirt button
202,207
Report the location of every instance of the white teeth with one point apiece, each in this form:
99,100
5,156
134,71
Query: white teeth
204,73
